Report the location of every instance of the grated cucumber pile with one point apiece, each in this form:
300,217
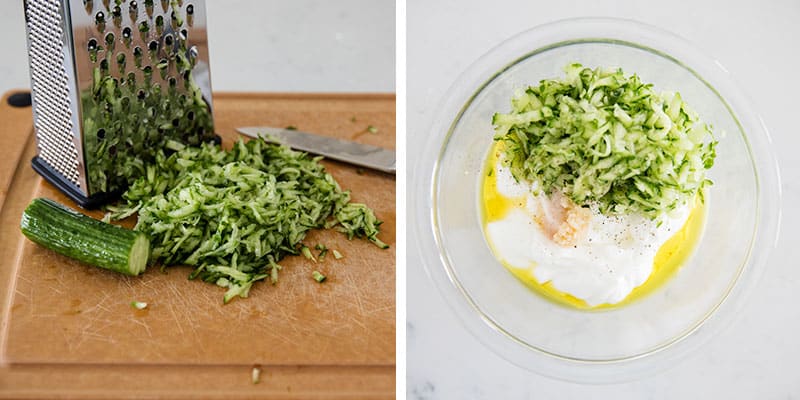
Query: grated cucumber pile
235,214
609,140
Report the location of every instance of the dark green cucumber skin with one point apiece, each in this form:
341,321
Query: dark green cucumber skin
78,236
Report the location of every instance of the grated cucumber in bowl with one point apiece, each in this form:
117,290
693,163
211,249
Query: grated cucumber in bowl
606,139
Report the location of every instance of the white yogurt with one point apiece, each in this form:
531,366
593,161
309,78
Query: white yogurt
614,256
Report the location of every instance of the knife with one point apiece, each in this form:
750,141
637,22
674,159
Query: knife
342,150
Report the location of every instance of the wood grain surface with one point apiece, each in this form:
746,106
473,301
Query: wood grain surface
66,316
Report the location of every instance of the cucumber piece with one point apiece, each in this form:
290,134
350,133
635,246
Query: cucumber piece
318,276
78,236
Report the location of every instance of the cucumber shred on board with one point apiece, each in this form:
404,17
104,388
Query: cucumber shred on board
605,138
235,214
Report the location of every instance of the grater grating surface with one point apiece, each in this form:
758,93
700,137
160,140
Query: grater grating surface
51,94
114,82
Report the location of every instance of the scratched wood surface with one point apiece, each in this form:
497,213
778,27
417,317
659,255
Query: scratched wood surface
63,312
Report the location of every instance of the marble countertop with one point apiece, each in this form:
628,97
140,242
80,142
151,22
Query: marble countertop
280,46
755,355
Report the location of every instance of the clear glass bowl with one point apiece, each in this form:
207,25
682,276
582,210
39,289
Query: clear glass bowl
643,337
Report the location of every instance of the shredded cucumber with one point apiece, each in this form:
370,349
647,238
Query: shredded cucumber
235,214
609,140
139,305
318,276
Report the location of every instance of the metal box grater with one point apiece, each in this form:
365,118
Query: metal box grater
113,82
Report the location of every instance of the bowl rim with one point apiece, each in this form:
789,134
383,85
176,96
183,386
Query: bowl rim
546,37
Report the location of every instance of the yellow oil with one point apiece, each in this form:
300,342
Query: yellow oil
669,258
495,205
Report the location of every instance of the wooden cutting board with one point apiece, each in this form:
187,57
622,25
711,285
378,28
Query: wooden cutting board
74,323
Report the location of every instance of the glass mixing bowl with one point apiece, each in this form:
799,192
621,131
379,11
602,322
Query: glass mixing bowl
649,334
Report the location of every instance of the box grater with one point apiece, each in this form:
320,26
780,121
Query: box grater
113,82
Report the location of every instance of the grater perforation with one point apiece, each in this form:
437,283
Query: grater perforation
112,82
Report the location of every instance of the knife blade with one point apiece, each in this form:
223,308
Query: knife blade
336,149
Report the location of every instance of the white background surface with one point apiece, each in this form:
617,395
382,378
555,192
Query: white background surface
283,45
757,356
